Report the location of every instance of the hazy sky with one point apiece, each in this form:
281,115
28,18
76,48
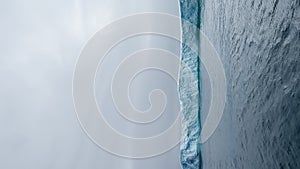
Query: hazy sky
40,41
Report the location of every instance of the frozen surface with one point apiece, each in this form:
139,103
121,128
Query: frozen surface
189,88
258,41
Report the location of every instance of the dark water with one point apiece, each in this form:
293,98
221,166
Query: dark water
259,44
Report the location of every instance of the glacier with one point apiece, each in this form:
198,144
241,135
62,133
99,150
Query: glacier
189,86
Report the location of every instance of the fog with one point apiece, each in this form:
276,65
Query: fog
40,42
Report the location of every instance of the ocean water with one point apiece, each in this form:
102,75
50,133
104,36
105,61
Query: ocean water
189,87
259,45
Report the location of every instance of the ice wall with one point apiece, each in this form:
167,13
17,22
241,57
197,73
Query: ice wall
189,87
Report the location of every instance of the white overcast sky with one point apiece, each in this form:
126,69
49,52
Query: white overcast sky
40,41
